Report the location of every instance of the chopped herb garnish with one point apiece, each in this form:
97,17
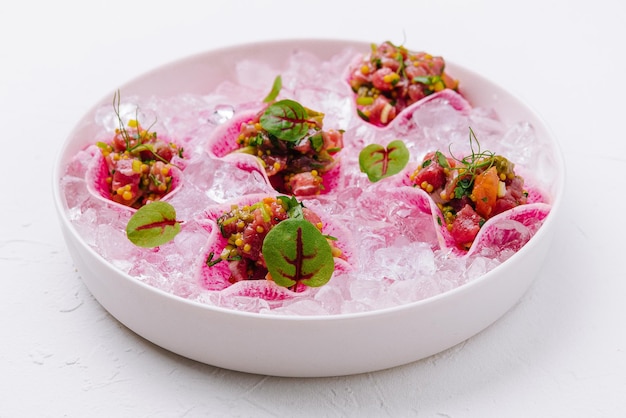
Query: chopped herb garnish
292,206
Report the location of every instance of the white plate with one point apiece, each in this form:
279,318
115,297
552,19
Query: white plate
314,345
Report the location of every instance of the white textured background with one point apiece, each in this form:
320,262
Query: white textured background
560,352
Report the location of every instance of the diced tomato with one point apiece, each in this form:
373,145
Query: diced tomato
127,182
305,184
430,172
333,141
513,197
311,216
465,226
416,92
382,79
485,192
380,112
160,151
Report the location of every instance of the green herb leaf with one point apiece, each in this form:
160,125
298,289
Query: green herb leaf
276,87
210,261
152,225
463,188
379,162
292,207
428,80
317,141
286,120
295,251
442,160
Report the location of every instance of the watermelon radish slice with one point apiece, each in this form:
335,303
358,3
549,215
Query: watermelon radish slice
270,291
97,184
301,182
510,229
217,276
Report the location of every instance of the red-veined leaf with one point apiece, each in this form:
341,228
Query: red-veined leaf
296,251
152,225
286,120
379,162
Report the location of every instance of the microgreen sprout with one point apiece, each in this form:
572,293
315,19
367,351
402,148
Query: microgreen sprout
469,166
276,87
140,136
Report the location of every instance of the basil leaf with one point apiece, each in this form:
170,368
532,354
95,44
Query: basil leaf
152,225
286,120
379,162
296,251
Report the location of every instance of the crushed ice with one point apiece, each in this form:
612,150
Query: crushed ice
396,259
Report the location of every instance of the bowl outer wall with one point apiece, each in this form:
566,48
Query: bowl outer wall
303,346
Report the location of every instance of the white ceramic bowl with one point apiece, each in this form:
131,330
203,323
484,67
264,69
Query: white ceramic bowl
313,345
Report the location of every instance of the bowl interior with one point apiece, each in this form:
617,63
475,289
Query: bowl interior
368,342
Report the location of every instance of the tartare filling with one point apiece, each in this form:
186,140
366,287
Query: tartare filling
296,154
391,78
469,191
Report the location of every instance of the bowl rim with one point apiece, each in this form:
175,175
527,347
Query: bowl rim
556,198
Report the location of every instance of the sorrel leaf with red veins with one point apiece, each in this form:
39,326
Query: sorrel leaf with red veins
379,162
276,87
286,120
295,251
152,225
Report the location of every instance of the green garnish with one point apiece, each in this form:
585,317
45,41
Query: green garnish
364,100
286,120
295,251
276,87
471,165
211,261
463,188
379,162
152,225
441,159
317,142
362,115
429,80
292,206
103,146
140,136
